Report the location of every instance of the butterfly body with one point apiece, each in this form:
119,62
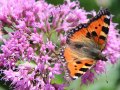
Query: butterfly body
85,44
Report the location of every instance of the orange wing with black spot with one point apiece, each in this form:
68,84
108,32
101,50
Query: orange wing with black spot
76,65
82,40
99,28
93,32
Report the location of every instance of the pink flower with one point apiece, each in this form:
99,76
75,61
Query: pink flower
62,39
37,38
113,46
100,67
45,58
88,77
50,45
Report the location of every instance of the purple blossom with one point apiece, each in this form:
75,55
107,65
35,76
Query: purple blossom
88,77
113,46
49,87
29,54
55,70
100,67
62,39
43,48
45,58
50,45
37,38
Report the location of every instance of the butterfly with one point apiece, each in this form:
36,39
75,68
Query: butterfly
85,43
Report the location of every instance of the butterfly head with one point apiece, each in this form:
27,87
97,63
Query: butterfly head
102,57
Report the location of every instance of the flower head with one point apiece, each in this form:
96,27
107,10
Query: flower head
113,46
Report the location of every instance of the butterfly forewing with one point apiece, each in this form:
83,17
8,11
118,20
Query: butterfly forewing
81,36
99,28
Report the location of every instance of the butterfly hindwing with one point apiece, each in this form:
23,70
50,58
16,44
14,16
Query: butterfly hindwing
75,64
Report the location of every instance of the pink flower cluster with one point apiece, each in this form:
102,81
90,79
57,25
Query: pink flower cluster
30,54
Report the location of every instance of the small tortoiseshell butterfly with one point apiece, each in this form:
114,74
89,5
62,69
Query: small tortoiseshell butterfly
85,44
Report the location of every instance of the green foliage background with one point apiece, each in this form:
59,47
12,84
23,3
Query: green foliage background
111,79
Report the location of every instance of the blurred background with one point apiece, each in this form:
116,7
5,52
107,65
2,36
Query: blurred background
111,79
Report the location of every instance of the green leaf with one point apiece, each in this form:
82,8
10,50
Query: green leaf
8,29
6,36
58,79
54,36
3,88
25,63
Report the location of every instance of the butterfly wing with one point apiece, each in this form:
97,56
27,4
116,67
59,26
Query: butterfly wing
88,35
79,35
92,34
77,63
98,26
